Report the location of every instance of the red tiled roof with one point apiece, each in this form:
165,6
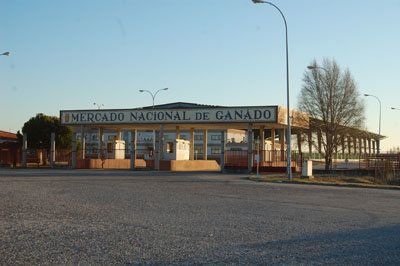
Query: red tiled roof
7,135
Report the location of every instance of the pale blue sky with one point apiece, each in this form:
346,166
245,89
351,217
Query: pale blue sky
69,54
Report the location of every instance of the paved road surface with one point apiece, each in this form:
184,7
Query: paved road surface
122,217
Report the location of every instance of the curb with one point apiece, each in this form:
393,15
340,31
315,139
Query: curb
323,184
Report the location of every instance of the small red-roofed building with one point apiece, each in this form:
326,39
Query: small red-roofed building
10,149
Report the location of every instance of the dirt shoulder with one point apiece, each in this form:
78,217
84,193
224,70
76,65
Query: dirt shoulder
332,180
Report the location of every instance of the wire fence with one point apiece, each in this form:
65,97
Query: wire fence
266,159
386,166
10,155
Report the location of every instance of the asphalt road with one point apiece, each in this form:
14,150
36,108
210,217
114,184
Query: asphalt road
122,217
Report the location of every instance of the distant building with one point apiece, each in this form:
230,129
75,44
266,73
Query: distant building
8,137
219,133
10,149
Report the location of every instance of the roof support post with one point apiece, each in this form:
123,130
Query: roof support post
369,145
83,144
205,135
250,147
133,134
223,138
52,149
24,149
191,154
273,144
349,144
73,150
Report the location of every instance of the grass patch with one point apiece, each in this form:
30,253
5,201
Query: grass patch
338,180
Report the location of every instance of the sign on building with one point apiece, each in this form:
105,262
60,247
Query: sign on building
264,114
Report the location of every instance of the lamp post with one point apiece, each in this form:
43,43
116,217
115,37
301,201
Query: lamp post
330,87
288,134
153,96
380,108
315,67
393,108
6,53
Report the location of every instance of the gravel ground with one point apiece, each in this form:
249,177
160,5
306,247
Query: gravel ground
122,217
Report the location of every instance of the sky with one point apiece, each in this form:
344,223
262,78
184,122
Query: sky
69,54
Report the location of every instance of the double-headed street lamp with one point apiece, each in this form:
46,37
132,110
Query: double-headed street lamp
380,108
288,135
6,53
153,96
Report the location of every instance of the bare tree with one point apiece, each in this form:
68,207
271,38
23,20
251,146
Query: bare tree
330,96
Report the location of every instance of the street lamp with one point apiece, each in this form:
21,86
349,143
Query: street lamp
289,170
380,108
330,87
153,96
315,67
6,53
393,108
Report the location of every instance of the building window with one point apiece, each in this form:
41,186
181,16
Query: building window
112,137
215,137
198,137
216,151
199,150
